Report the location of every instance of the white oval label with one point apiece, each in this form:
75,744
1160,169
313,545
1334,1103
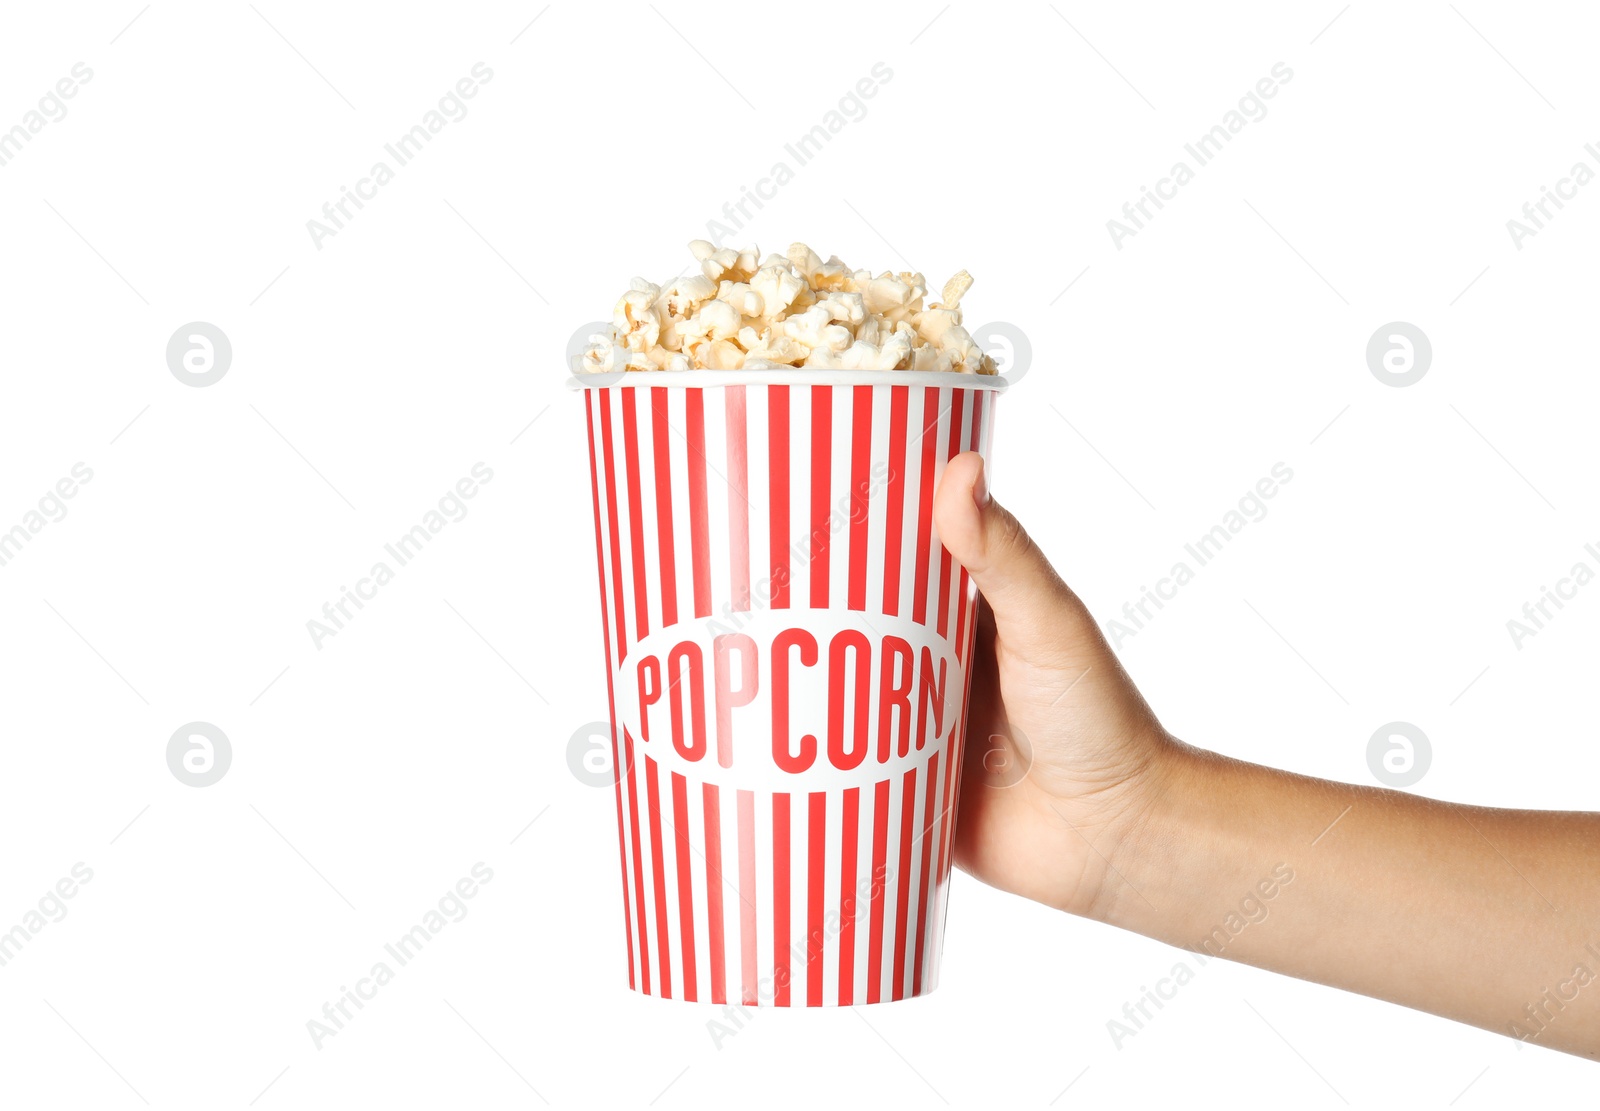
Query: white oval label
761,701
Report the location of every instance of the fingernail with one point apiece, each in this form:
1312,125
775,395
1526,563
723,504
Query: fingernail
980,488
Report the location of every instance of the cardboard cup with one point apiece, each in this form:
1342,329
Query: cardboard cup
787,648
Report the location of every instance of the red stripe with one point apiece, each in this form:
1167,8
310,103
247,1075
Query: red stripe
821,475
929,442
630,443
638,862
680,827
750,994
719,990
957,403
894,526
847,896
611,694
663,935
860,479
778,468
928,835
952,789
961,593
699,526
880,878
616,532
908,806
662,444
952,806
780,900
738,500
816,873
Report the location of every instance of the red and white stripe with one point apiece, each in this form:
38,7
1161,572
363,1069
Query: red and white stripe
713,501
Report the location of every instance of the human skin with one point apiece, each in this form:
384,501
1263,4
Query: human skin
1482,915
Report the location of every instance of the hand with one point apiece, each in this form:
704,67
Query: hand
1465,911
1048,698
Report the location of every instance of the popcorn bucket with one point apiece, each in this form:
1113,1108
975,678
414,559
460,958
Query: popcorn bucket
787,648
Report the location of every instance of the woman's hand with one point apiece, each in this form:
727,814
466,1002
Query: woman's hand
1073,795
1063,756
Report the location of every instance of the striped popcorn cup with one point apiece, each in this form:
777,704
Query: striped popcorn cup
787,647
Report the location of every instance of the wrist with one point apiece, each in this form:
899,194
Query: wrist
1148,844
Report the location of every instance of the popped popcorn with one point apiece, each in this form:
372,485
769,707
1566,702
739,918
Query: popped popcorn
745,312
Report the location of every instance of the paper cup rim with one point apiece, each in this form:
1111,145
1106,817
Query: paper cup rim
699,379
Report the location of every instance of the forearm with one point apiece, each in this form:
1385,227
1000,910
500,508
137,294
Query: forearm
1486,916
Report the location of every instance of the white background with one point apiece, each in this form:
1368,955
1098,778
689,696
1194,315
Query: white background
368,376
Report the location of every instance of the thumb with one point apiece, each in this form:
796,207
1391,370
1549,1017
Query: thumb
1034,611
